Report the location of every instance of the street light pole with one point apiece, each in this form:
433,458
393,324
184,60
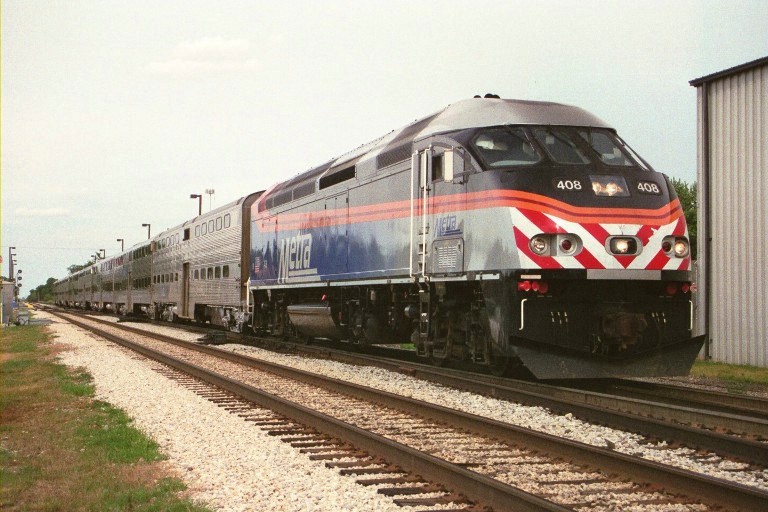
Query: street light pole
148,228
122,244
199,198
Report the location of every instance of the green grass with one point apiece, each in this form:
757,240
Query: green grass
736,377
108,433
61,449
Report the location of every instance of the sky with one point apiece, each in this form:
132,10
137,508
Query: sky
114,112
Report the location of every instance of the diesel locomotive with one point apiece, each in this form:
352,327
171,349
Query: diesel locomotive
511,234
519,236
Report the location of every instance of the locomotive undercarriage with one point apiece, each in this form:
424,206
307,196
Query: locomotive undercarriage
577,328
444,321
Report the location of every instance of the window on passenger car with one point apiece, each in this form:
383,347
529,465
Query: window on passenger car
203,228
227,220
218,272
502,147
210,272
225,271
210,226
560,146
197,230
218,223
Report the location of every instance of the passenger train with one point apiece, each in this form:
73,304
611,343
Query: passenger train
515,235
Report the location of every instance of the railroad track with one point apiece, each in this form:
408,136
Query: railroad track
698,419
477,457
733,426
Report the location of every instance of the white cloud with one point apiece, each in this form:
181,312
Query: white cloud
41,212
207,56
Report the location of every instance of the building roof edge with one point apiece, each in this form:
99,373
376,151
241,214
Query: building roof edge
696,82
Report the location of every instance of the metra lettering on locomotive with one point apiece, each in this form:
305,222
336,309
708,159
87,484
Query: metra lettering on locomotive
511,234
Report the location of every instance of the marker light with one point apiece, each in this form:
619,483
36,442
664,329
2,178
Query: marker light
559,244
540,287
677,247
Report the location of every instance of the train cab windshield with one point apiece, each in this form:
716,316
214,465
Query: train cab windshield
522,146
503,147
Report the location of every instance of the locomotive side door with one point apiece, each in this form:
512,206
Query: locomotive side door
437,186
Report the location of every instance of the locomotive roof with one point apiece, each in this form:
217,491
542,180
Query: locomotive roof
477,112
396,146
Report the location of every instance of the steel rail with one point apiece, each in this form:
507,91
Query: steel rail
731,403
723,493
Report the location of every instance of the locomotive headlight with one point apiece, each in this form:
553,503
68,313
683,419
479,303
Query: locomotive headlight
623,245
539,245
612,186
620,246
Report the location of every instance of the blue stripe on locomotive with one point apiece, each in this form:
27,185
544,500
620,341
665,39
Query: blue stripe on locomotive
330,253
324,251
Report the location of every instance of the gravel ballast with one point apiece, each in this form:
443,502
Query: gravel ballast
227,463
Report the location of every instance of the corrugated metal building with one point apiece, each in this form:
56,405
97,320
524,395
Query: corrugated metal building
733,212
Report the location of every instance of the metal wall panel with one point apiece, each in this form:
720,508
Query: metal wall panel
737,117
